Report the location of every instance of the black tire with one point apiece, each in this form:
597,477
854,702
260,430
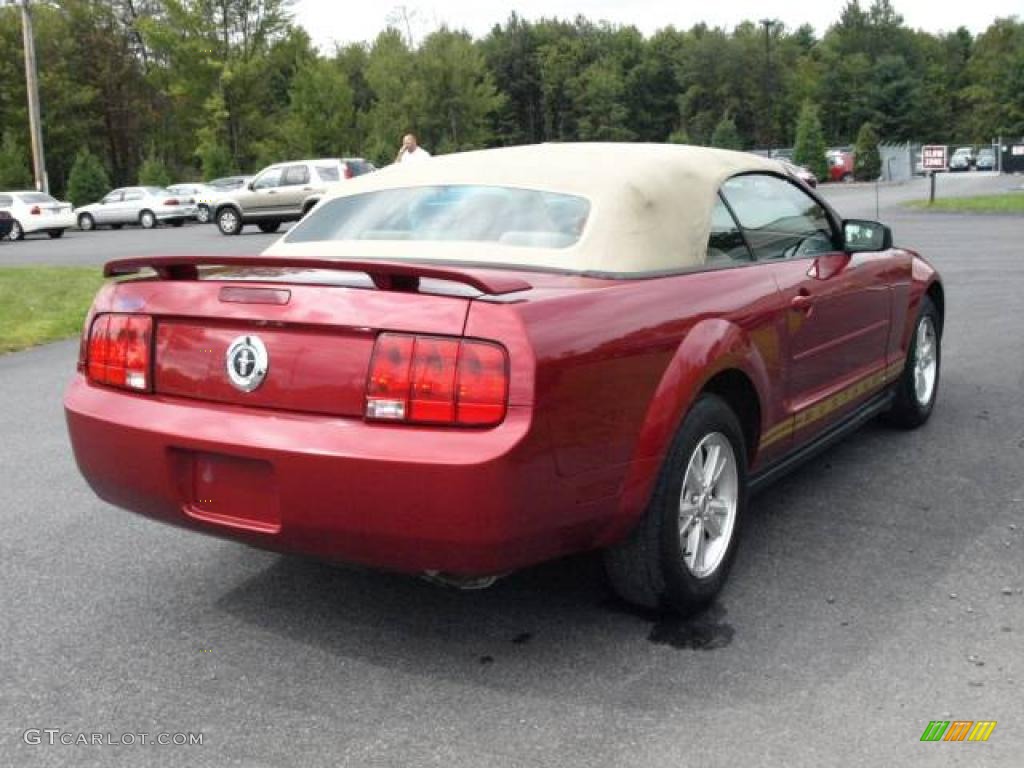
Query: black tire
86,223
269,227
147,220
648,568
203,214
16,233
909,410
55,234
116,226
229,221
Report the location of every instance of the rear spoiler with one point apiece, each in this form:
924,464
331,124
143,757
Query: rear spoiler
386,275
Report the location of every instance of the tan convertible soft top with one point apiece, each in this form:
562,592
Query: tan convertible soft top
650,204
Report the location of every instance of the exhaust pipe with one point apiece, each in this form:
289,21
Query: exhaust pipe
459,582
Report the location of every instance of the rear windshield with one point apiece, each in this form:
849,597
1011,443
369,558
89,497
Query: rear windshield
456,213
34,198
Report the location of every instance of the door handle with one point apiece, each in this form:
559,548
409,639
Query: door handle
307,189
802,302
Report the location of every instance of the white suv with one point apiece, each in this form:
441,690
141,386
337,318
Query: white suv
281,192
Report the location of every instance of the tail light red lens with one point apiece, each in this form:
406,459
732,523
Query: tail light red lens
118,351
437,380
347,170
35,210
172,201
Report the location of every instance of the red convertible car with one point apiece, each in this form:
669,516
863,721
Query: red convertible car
474,364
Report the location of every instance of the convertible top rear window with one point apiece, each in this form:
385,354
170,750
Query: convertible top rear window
456,213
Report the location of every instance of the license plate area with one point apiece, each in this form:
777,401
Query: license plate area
229,490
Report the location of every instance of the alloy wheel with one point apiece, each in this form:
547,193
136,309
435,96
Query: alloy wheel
707,505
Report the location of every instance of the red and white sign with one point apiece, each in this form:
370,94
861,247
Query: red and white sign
933,157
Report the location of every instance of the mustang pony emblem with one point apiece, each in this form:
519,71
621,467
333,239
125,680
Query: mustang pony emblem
247,362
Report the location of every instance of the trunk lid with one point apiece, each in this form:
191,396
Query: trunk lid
318,327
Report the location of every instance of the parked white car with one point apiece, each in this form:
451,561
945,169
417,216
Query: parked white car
145,206
191,193
36,212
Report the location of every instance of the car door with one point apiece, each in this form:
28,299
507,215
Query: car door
837,304
131,207
296,186
107,211
261,197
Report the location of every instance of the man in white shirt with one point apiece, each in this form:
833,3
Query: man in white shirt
411,151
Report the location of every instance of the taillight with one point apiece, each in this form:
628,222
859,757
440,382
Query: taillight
437,380
347,170
35,210
172,201
118,351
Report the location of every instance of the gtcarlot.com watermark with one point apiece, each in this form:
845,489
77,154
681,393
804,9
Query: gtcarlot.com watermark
55,736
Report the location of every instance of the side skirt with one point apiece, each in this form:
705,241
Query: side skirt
876,405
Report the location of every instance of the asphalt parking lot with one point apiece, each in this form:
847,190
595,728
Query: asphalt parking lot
876,589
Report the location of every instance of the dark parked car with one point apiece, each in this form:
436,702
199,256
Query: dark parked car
474,364
6,224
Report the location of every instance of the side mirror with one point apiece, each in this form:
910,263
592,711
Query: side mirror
862,236
250,185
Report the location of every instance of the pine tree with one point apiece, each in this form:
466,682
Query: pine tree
153,172
88,180
809,150
725,135
14,172
867,163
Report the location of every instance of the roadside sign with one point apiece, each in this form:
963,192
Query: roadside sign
933,157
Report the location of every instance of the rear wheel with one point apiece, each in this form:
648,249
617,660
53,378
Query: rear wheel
269,227
228,221
16,233
147,219
55,234
918,385
680,553
86,223
203,214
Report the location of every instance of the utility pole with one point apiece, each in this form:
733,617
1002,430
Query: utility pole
32,88
766,79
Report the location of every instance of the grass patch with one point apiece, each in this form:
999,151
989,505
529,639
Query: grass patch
1009,202
40,304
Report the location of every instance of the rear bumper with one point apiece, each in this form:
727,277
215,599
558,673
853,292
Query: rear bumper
460,501
47,223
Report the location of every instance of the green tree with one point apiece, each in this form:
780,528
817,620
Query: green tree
153,172
88,180
215,160
321,119
867,163
725,135
679,136
459,90
14,172
809,150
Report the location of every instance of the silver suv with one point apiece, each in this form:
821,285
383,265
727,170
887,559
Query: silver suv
281,192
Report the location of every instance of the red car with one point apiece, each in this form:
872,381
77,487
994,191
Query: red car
840,165
467,366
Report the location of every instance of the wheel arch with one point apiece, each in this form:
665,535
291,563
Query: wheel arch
228,204
715,356
937,294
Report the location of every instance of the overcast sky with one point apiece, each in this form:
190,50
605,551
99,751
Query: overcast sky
344,21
